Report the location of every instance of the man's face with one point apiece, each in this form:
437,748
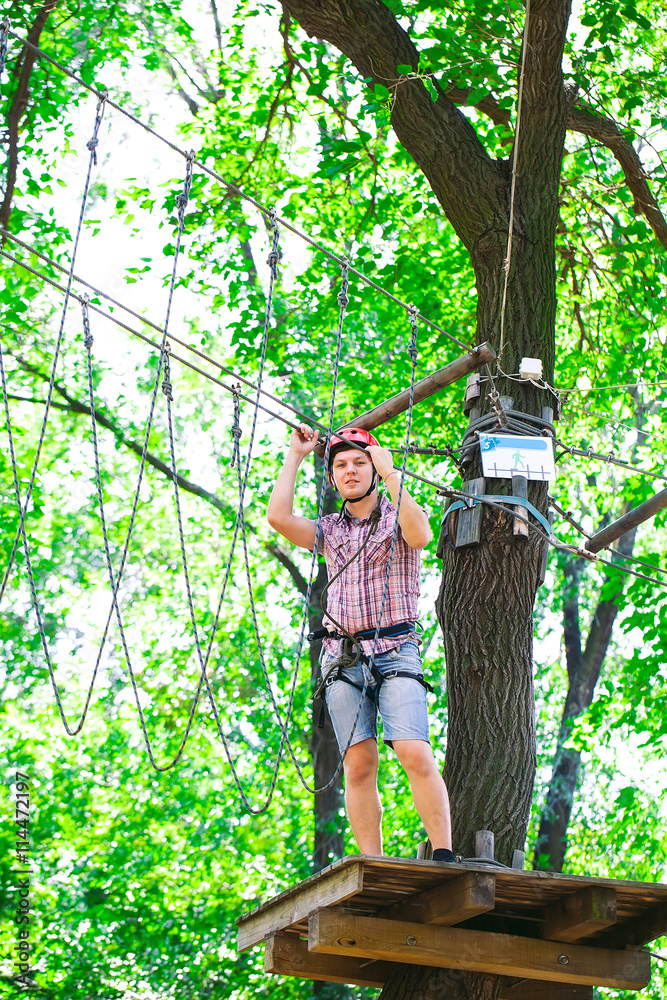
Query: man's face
352,472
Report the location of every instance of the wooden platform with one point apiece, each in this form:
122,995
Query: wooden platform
552,936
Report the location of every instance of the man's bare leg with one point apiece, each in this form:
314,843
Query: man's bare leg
429,792
362,801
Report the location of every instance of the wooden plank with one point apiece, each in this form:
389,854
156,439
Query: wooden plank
336,886
531,989
424,388
450,903
580,914
469,519
336,932
288,955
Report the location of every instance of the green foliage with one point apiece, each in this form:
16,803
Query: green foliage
139,875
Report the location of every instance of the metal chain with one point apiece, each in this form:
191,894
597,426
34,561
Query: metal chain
23,506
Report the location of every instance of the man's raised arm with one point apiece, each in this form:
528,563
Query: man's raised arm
280,514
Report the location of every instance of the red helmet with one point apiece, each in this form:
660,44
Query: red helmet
357,434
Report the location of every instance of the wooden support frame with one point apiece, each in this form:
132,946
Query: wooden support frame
532,989
580,914
335,932
288,955
449,904
334,887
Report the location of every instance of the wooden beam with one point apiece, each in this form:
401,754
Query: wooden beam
423,389
335,932
322,890
626,523
641,930
449,903
532,989
288,955
580,914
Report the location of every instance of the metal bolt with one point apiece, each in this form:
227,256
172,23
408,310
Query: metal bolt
563,959
411,940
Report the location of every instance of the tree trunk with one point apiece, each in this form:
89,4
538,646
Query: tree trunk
329,843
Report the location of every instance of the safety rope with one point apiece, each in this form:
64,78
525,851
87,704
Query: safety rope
343,301
447,451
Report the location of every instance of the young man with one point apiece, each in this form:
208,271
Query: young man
396,686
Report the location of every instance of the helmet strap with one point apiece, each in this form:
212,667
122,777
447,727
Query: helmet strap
366,494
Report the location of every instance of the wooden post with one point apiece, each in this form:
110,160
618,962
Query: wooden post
469,519
518,859
626,523
484,844
520,489
423,389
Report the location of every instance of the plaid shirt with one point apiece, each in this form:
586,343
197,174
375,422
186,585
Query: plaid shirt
355,598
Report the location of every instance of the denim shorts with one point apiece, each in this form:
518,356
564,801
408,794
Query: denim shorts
401,700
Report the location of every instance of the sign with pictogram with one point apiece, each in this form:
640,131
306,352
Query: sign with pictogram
507,455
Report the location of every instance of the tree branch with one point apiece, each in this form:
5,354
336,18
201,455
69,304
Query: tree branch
610,135
74,405
18,106
440,139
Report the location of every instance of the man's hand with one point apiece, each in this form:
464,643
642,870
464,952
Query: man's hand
381,459
303,441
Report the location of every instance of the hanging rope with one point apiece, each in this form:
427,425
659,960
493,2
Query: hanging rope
24,506
515,170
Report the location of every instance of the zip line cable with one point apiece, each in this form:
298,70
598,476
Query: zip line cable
172,337
211,378
609,459
233,189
